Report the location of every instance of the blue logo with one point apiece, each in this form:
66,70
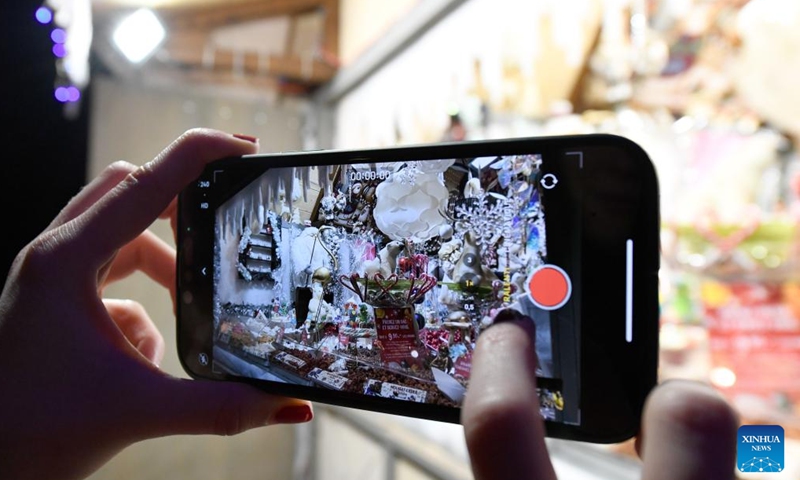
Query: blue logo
760,448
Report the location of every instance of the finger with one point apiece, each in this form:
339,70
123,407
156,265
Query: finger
501,410
146,253
91,193
689,432
137,327
196,407
137,201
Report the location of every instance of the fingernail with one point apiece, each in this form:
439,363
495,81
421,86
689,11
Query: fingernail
293,414
247,138
508,315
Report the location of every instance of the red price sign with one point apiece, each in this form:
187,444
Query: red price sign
397,334
754,333
463,365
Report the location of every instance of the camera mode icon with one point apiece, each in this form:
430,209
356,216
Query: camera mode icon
549,181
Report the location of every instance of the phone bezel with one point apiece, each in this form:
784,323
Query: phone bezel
638,358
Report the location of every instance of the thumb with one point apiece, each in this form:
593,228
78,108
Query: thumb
185,406
689,432
502,425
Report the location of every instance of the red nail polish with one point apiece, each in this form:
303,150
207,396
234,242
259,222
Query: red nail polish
247,138
508,315
293,414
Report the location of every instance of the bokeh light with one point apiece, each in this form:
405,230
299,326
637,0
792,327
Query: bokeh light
138,35
59,50
62,95
44,15
67,94
58,35
722,377
73,94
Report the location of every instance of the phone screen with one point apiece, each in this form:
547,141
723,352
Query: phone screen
377,278
365,278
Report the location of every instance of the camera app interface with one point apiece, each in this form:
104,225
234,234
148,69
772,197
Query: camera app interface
378,278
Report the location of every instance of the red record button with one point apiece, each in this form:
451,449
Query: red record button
549,287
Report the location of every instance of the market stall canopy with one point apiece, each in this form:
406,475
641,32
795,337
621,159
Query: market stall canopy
289,45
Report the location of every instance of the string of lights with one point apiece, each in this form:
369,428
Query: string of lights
70,23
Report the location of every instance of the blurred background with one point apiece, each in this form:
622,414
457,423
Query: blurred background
707,87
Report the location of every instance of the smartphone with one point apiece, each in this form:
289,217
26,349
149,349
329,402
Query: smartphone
364,278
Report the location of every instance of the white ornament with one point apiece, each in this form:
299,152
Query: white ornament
410,207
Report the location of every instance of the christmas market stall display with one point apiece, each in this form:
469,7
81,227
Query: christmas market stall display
381,283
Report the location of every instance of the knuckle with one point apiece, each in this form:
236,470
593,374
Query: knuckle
138,174
144,177
135,308
230,417
120,169
38,257
125,311
189,137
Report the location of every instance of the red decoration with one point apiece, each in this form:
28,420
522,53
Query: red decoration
397,333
